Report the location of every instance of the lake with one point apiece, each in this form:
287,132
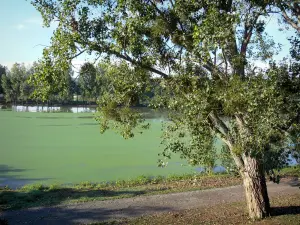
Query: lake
41,147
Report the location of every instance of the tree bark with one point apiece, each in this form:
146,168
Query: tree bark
255,188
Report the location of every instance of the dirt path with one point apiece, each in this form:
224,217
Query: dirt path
85,213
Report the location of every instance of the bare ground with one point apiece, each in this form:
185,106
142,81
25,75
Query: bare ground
91,212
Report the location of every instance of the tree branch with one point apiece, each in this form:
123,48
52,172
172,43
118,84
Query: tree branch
289,20
78,54
128,59
237,159
218,124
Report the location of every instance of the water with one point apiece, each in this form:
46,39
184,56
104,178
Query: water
39,147
148,113
64,146
20,108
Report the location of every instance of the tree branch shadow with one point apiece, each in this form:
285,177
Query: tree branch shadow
294,182
285,210
44,197
78,215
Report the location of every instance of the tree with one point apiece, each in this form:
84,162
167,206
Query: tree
75,89
6,85
65,90
122,80
2,73
57,89
87,81
13,83
202,52
26,87
294,71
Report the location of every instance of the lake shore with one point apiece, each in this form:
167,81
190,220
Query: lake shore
193,207
37,195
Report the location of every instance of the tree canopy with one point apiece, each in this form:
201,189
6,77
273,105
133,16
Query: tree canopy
203,53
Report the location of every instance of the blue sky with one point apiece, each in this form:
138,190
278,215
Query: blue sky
23,36
21,32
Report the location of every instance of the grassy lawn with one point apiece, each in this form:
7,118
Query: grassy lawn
285,210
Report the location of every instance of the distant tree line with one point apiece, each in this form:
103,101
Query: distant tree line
16,86
91,82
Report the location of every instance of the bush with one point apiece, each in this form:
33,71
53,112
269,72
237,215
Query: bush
33,187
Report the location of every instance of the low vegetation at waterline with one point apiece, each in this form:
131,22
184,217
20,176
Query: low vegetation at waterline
40,195
291,171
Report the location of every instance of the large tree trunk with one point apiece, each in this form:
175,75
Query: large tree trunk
255,188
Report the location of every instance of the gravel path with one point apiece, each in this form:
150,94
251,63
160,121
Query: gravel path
85,213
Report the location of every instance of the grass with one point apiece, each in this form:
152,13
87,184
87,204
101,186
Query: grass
41,195
293,171
285,210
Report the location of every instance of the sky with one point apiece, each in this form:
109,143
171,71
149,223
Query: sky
22,33
23,37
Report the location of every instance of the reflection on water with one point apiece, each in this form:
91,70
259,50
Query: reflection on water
155,115
21,108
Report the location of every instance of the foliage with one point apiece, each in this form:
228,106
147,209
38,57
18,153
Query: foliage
88,81
17,87
60,90
33,187
14,83
6,86
290,171
227,162
123,88
66,94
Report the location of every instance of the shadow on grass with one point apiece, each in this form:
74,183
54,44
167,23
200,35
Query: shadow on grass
10,199
285,210
65,216
294,182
